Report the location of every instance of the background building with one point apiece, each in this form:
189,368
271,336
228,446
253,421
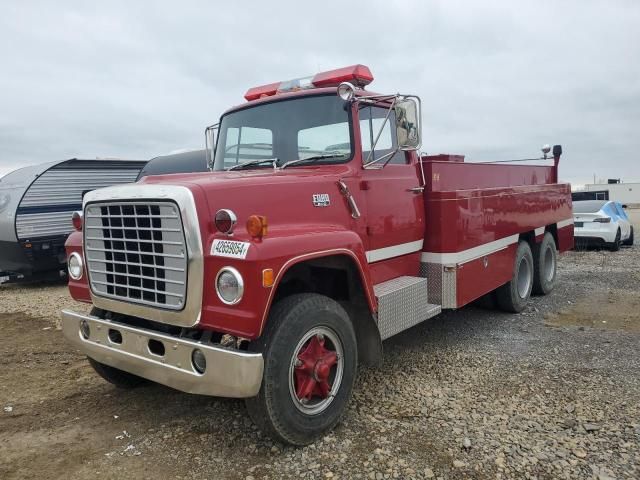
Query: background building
625,193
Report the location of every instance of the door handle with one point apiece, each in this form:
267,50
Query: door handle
416,190
355,211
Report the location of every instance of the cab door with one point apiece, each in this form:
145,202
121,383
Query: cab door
395,206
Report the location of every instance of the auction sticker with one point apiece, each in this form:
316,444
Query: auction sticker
230,248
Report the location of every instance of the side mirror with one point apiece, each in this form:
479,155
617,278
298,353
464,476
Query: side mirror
408,128
210,135
625,206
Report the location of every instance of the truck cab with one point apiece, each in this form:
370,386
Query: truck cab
319,232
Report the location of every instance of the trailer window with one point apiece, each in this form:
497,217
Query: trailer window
371,120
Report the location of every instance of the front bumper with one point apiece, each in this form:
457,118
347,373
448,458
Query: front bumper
229,373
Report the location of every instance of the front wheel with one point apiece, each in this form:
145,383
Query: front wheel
117,377
310,360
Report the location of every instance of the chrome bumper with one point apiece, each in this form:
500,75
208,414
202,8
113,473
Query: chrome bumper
229,373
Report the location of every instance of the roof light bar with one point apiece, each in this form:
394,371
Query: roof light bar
359,75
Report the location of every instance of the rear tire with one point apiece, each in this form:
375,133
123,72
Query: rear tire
615,246
514,295
117,377
299,327
629,241
545,264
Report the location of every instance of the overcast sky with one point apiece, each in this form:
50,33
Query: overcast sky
497,79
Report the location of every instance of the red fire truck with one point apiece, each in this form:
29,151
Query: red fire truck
319,232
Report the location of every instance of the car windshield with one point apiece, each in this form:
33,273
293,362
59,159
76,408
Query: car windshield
588,206
285,130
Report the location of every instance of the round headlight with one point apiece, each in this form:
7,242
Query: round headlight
74,264
229,285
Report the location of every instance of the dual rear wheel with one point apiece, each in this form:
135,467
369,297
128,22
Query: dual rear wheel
534,271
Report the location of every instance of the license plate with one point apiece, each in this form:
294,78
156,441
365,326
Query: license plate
230,248
578,224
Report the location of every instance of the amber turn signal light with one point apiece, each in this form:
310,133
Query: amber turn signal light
257,226
267,277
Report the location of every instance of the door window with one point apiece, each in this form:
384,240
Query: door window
371,120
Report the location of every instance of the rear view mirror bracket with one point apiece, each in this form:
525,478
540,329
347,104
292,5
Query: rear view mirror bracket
210,136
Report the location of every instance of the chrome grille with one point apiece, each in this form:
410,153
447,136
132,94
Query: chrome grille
135,251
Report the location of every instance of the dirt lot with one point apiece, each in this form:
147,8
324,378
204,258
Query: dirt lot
553,392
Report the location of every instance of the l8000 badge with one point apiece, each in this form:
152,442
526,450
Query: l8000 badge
230,249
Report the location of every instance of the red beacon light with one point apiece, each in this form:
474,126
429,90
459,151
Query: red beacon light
359,75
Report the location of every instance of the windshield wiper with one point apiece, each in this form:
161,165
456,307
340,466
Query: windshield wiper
257,161
313,158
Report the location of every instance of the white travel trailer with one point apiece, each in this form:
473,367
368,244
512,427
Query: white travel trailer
36,204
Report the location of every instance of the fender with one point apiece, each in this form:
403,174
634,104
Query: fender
79,289
358,258
279,251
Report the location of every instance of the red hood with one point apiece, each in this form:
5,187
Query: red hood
252,177
285,197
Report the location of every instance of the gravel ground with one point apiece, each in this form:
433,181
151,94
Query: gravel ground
551,393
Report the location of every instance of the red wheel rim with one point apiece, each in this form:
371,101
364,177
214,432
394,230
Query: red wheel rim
316,370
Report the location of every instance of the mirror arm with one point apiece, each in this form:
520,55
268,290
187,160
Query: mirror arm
209,152
388,156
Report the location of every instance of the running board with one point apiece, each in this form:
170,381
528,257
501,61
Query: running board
402,303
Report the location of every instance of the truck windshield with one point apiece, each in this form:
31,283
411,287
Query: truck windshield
286,130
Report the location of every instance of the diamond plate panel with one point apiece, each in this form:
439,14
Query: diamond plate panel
442,285
402,303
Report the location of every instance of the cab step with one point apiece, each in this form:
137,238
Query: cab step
402,303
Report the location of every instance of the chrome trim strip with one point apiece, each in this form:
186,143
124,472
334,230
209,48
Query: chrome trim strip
189,315
457,258
394,251
229,373
471,253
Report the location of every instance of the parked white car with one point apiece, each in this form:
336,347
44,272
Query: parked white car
602,222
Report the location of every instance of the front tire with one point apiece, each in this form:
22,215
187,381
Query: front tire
117,377
310,361
514,295
545,264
